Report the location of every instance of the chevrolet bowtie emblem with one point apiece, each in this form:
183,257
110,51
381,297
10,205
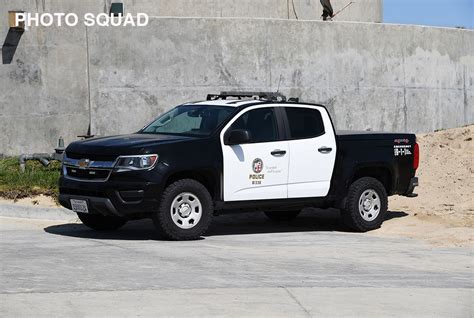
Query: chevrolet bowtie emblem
84,163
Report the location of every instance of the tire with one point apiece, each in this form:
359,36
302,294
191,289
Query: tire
185,211
282,216
365,205
100,222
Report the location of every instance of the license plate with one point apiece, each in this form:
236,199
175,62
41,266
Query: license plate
79,206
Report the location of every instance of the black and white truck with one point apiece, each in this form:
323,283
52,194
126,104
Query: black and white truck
236,152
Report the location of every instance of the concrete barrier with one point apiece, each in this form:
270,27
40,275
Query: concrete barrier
44,91
371,76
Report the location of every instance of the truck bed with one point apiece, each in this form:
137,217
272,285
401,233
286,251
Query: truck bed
360,149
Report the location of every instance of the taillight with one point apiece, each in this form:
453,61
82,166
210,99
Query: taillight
416,157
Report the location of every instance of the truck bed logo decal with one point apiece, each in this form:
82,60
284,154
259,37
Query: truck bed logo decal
401,141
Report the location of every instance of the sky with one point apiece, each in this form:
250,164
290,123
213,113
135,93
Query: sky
443,13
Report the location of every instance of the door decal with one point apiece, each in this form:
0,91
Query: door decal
257,165
257,177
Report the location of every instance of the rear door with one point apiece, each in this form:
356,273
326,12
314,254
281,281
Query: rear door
257,170
312,145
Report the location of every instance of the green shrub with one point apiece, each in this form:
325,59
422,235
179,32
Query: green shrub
36,179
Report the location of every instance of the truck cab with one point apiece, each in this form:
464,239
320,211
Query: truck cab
233,152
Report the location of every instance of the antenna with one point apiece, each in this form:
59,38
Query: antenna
349,4
279,82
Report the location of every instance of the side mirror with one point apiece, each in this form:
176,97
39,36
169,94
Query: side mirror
237,137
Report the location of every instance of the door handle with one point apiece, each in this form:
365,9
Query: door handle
278,153
325,150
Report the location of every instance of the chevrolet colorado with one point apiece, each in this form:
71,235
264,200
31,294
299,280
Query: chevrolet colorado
236,152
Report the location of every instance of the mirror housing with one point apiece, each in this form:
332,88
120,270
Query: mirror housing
238,137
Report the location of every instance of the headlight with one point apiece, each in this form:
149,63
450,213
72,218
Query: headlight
142,162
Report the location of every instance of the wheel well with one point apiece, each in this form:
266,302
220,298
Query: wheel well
206,178
382,174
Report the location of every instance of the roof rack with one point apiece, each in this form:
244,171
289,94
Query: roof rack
273,96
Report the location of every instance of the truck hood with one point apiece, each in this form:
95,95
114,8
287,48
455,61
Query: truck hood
114,146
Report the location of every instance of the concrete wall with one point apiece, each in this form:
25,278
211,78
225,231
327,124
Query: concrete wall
379,77
44,91
360,10
371,76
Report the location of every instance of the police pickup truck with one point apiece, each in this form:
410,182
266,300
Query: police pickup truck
236,152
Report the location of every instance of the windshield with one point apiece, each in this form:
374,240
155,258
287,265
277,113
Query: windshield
190,120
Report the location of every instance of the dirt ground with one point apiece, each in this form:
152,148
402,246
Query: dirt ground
442,214
39,201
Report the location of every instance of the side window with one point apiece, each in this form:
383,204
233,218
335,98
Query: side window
261,123
304,122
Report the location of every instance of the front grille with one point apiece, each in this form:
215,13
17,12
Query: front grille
93,157
87,174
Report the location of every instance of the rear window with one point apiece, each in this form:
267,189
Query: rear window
304,122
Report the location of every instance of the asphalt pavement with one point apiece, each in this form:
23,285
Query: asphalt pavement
245,266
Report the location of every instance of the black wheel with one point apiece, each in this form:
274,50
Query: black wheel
185,211
365,205
100,222
282,216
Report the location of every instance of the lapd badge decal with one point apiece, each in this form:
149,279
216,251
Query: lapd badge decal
257,167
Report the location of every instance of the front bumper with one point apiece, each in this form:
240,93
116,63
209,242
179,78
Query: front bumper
411,187
125,199
96,205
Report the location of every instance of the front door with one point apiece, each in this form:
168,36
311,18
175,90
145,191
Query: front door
257,170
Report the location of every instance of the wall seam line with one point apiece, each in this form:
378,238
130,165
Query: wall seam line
466,107
405,107
89,129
